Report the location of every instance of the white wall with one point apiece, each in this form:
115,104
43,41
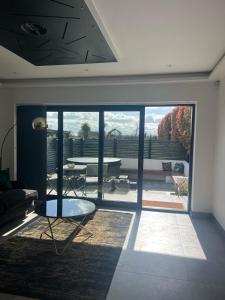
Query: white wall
219,170
203,94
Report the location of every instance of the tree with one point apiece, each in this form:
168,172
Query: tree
164,128
183,124
176,126
84,131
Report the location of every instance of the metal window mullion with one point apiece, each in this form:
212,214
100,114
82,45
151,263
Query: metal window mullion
60,160
141,156
191,158
100,154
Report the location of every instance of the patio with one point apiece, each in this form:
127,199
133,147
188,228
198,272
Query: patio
153,191
120,178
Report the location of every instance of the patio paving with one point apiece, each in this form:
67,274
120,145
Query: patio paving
152,191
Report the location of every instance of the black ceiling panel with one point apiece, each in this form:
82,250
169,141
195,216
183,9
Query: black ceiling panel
52,32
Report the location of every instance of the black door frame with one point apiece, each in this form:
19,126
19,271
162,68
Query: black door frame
101,109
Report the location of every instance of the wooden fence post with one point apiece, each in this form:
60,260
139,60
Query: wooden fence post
81,147
114,147
71,147
150,148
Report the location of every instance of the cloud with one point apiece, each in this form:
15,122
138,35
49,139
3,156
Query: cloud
52,114
121,117
149,118
159,109
126,122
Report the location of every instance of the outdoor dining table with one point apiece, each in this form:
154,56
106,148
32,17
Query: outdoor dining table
74,169
112,162
93,160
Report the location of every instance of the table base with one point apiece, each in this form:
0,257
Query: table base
56,222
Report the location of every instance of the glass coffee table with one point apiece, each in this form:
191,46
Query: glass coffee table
74,211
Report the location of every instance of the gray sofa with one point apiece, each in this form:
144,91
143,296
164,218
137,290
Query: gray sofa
14,203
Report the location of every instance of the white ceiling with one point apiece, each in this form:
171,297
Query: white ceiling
146,36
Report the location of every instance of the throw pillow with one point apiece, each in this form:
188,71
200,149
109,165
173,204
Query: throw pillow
167,166
5,183
179,167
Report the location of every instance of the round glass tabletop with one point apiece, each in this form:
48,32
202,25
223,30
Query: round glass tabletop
65,208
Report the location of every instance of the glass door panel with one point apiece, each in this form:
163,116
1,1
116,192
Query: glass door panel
80,154
52,153
121,148
167,147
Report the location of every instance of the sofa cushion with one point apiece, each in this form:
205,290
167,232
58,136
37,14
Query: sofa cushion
30,193
2,207
5,183
12,197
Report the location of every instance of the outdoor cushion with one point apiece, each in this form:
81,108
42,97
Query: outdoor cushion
167,166
92,179
179,167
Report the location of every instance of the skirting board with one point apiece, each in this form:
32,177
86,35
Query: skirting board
218,225
200,215
209,216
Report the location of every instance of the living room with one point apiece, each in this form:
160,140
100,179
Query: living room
158,254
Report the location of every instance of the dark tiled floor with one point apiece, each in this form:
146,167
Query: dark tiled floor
169,256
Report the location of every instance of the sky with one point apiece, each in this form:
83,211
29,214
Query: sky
124,121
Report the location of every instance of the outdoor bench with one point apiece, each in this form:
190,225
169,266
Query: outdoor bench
153,174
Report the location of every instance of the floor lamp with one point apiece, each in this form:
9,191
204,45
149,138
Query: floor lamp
37,124
3,143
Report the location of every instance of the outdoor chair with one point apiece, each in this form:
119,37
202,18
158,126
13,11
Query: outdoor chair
92,175
75,184
52,182
74,181
92,172
180,185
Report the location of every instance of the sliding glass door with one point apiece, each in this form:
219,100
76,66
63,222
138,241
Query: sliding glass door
94,154
121,148
133,156
167,157
52,153
80,154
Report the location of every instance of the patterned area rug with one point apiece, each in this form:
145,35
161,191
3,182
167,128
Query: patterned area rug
30,267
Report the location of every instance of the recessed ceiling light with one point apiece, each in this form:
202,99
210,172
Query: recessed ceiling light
32,28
